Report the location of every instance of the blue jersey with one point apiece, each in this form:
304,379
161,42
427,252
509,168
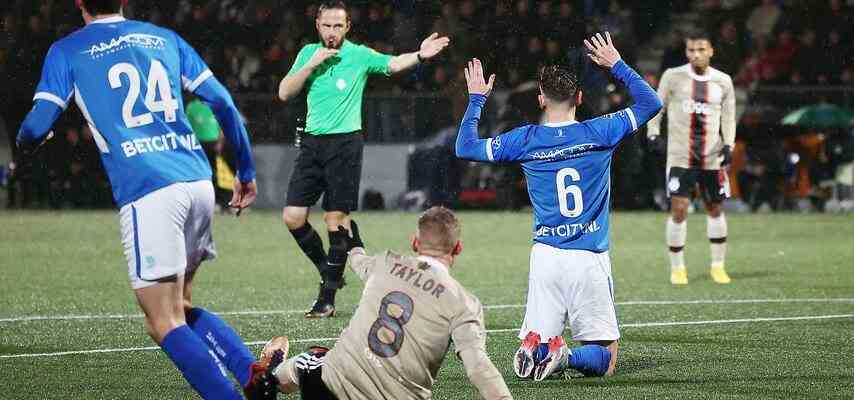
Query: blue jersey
567,165
126,77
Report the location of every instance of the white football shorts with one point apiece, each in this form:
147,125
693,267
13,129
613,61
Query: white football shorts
570,288
168,232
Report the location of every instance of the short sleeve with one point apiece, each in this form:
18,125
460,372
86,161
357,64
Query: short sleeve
57,82
467,328
377,63
509,146
194,71
612,128
302,58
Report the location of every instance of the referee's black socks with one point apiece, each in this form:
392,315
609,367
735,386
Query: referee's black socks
309,241
334,274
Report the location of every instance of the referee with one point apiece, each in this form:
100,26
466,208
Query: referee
330,160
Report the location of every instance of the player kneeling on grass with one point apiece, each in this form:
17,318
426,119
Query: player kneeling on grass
410,311
567,166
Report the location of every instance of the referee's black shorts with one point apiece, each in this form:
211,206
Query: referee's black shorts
328,165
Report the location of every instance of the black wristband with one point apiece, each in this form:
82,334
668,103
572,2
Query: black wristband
420,59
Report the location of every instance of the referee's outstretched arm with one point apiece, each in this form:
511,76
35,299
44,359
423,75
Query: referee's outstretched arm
430,47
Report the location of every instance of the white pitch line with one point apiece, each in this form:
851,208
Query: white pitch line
487,307
490,331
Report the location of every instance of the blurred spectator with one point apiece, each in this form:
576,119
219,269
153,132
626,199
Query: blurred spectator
834,59
762,20
674,54
729,51
804,61
779,56
836,17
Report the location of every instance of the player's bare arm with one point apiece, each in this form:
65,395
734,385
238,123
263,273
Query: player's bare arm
292,85
430,47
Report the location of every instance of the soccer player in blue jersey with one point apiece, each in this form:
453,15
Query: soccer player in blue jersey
567,165
126,77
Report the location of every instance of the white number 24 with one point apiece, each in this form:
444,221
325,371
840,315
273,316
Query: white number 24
158,83
563,190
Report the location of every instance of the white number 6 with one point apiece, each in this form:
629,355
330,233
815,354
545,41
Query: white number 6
563,190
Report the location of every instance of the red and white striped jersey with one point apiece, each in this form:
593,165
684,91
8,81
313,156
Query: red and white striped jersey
700,116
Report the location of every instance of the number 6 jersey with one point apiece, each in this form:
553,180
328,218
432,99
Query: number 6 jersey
567,165
126,77
410,311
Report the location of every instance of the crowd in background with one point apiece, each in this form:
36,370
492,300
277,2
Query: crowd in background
251,44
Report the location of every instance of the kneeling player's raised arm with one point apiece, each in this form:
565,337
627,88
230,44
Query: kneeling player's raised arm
647,104
469,145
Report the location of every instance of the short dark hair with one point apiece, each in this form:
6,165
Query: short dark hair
438,230
96,7
559,82
699,35
332,5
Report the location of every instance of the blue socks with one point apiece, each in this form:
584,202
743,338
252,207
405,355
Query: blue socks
590,359
200,367
224,342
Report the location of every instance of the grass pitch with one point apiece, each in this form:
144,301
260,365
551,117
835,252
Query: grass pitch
783,329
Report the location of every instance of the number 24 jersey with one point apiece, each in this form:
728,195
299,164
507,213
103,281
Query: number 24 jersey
126,77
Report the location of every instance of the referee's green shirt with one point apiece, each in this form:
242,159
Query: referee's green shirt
203,121
335,88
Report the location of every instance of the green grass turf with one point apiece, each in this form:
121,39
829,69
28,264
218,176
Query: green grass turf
71,263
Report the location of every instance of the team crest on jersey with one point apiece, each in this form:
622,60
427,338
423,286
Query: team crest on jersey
126,41
341,84
674,184
496,142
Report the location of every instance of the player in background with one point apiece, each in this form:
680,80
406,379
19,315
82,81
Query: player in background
125,77
700,105
567,166
410,311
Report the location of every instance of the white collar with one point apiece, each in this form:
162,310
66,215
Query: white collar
109,20
434,262
702,78
560,124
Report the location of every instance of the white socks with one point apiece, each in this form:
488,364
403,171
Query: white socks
676,236
716,230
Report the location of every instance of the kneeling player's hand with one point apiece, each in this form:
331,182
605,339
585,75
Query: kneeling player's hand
475,80
353,238
602,50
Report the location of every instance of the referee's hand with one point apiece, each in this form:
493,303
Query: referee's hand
243,196
320,56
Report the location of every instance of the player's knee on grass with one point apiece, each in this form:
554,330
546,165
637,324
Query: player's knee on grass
294,217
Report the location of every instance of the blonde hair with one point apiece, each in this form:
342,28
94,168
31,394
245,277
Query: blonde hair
438,230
